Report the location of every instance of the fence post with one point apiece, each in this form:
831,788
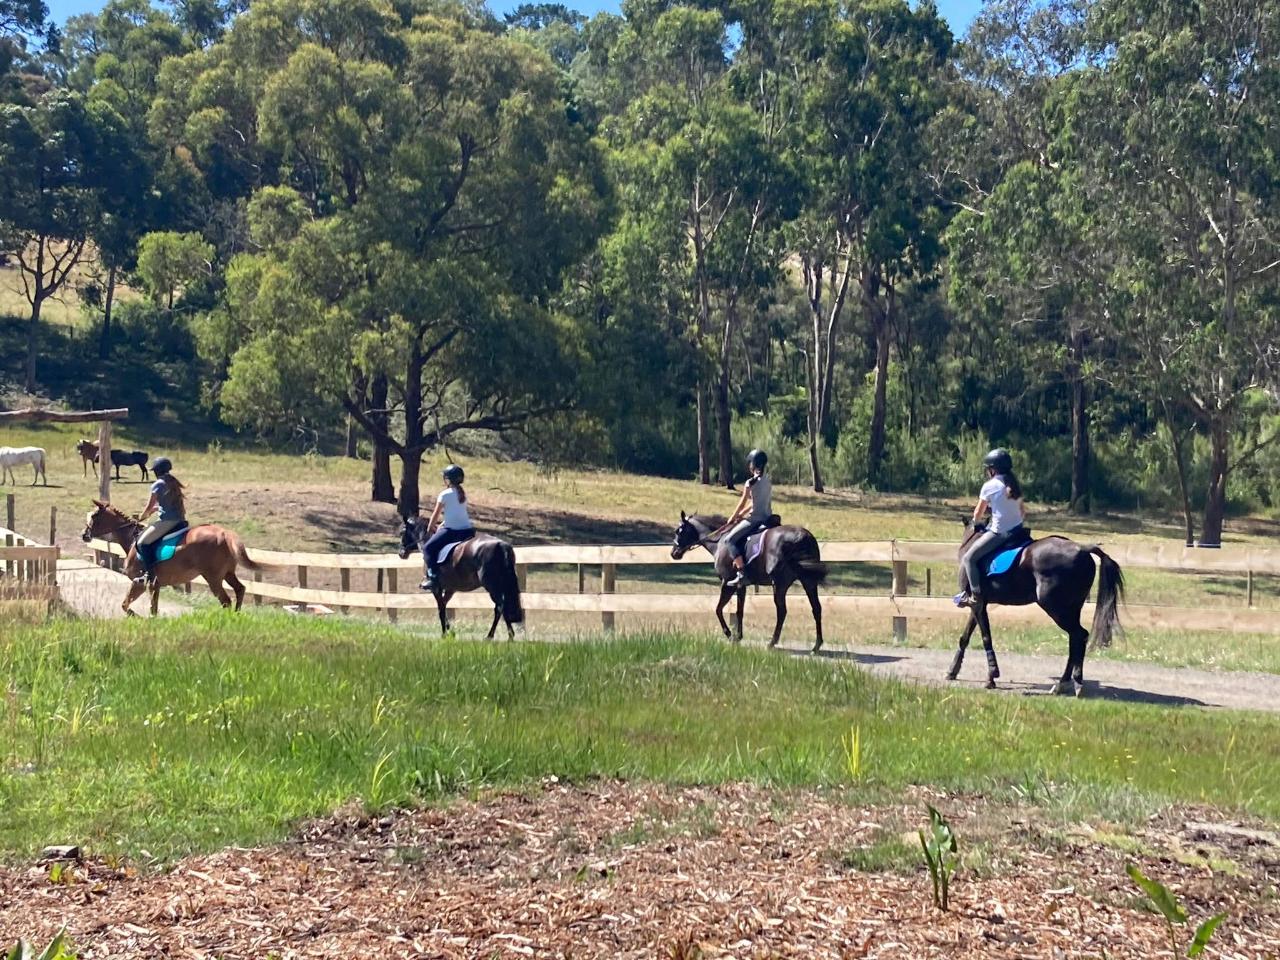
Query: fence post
8,564
522,576
53,525
1249,588
344,584
582,579
302,577
608,580
393,576
8,511
257,578
899,590
928,581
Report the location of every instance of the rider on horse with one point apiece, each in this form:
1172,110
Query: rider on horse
168,496
751,514
1002,495
449,523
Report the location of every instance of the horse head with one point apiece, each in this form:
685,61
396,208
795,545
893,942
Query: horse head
104,521
689,534
412,532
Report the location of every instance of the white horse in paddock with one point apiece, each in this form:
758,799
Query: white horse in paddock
11,457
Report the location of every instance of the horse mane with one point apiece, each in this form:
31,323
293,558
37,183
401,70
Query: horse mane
116,512
713,521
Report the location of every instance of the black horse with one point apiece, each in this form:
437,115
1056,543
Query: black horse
787,554
129,458
482,561
1056,573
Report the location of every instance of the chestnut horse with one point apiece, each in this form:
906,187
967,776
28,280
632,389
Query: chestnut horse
208,551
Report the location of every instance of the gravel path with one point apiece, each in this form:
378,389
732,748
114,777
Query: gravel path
1032,675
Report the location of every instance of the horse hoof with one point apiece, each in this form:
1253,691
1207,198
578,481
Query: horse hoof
1080,690
952,674
1061,689
816,647
991,683
995,673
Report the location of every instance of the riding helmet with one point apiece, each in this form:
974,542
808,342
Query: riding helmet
453,474
161,466
998,460
757,459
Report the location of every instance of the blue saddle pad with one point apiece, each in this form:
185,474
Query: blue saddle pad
168,545
754,544
1003,561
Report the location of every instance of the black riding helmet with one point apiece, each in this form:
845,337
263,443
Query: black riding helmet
161,466
453,474
757,459
999,460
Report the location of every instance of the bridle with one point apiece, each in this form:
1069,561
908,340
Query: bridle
703,541
116,529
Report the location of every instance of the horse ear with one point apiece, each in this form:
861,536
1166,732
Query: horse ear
683,518
99,504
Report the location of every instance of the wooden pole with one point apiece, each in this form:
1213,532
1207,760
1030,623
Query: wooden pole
522,577
608,581
8,564
104,461
928,581
344,584
900,582
392,578
1249,588
9,522
53,526
257,578
582,578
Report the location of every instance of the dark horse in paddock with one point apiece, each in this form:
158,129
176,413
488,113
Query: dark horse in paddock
788,554
1056,573
127,458
482,561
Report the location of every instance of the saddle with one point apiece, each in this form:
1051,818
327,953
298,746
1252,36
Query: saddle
164,548
755,542
1003,560
446,551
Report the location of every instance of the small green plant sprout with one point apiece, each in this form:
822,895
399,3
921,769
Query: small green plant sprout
940,856
852,745
58,949
1174,913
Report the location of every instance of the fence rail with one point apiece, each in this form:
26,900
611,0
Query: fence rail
605,602
28,570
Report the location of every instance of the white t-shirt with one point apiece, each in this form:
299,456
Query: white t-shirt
454,512
1005,511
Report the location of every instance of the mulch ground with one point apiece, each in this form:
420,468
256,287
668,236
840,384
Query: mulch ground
631,870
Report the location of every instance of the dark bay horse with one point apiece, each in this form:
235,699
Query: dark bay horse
788,554
208,551
1056,573
482,561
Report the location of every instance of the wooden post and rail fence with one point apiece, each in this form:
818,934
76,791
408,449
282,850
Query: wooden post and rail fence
894,609
28,570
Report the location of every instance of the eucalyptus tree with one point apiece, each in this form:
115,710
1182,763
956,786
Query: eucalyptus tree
1178,123
873,219
429,192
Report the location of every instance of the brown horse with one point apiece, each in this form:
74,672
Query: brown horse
787,554
88,451
208,551
482,561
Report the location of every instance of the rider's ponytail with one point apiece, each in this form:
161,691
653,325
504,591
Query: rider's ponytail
462,494
1011,482
179,491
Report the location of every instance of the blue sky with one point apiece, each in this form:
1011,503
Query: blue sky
958,12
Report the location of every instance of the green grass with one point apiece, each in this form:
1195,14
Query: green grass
191,734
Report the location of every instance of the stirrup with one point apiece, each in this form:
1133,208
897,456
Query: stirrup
964,599
738,579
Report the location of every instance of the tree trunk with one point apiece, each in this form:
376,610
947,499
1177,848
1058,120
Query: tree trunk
384,490
104,341
1079,427
411,461
875,445
32,338
704,465
724,444
350,450
814,469
1215,505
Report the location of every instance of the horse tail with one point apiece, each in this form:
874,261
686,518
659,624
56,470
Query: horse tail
1106,616
512,609
242,555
